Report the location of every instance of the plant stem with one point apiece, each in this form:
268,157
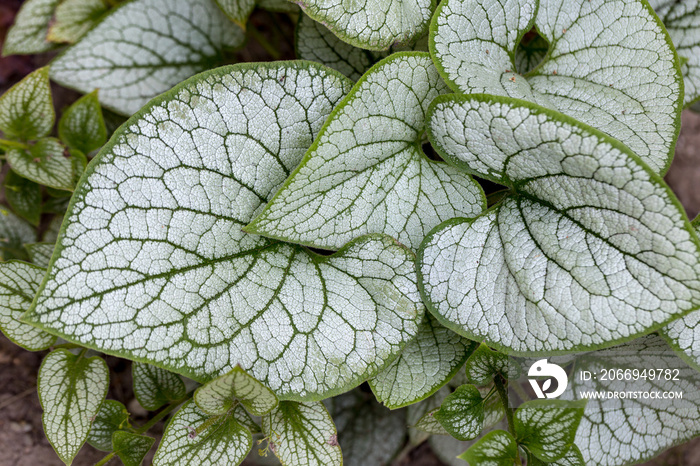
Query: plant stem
13,144
105,460
260,39
501,387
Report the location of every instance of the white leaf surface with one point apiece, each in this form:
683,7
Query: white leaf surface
71,390
610,64
590,247
144,47
367,173
154,230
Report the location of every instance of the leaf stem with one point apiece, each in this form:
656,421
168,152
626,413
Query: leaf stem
105,460
7,144
260,39
501,387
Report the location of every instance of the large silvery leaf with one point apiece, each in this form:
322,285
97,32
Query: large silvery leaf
194,438
19,283
425,365
71,390
302,434
372,24
155,231
139,51
28,34
610,64
589,248
639,426
367,173
682,20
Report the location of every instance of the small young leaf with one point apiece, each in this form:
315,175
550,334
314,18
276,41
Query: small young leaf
71,390
44,163
425,365
131,448
462,413
547,427
430,424
82,127
28,33
302,434
539,271
368,433
682,21
219,395
154,387
24,197
193,438
572,457
14,232
237,10
139,50
593,71
371,24
111,417
40,253
73,18
19,282
26,109
485,363
366,171
497,448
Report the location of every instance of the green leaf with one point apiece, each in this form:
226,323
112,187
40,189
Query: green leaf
51,233
193,437
485,363
682,21
111,417
73,18
237,10
44,163
366,171
547,427
40,254
426,364
429,423
154,387
28,33
139,51
19,283
637,428
302,434
131,448
219,395
371,24
71,390
497,448
24,197
368,432
462,413
14,232
26,109
610,64
530,52
541,271
82,127
572,457
160,211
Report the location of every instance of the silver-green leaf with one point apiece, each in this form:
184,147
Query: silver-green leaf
139,50
154,387
462,413
73,18
28,33
610,64
154,230
71,390
130,447
367,173
82,126
111,417
497,448
14,232
40,253
221,394
26,109
45,163
589,248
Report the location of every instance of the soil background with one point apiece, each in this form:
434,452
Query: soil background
22,439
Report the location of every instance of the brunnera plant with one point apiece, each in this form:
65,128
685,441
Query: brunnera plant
261,239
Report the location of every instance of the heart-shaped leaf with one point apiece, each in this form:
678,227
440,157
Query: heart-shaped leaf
19,282
26,109
484,364
462,413
219,395
73,18
155,231
71,390
302,433
45,163
543,270
139,50
111,417
367,173
131,448
610,64
82,126
28,33
154,387
497,448
372,24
